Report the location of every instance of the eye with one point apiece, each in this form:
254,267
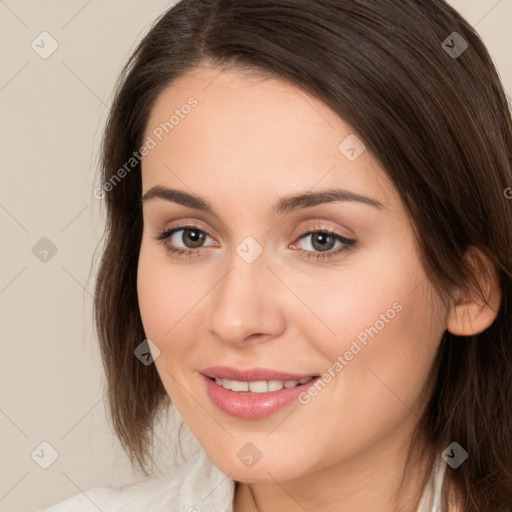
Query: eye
191,237
324,241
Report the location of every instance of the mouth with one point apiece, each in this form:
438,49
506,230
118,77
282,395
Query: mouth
254,374
259,386
256,393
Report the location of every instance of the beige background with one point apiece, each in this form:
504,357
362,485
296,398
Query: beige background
52,112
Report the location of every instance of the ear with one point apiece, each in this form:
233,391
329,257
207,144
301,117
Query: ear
470,314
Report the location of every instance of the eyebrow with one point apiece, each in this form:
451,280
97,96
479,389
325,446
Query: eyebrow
284,205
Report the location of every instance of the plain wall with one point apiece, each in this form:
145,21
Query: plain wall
52,113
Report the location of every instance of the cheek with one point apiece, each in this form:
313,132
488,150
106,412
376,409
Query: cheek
171,303
385,323
363,299
162,293
387,338
166,298
379,361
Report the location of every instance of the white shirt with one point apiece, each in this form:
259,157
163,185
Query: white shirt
196,486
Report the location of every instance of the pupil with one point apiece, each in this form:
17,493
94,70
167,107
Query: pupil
196,237
323,239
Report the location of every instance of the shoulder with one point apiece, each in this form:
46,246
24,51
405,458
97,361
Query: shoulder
196,485
87,501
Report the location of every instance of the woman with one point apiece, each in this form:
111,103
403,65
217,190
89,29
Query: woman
309,255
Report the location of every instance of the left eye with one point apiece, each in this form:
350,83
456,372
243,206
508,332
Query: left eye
322,244
321,241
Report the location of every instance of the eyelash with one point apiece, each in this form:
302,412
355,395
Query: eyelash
187,253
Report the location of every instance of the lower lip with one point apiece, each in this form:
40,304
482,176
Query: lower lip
252,406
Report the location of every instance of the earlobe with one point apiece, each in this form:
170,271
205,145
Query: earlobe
470,314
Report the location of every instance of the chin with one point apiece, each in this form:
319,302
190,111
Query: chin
266,469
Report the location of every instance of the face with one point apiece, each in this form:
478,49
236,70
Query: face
315,311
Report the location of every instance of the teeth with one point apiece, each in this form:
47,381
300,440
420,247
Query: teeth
225,383
260,386
275,385
238,386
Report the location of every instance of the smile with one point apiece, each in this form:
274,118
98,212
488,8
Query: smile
253,394
260,386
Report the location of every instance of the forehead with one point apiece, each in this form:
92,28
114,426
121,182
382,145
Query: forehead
255,134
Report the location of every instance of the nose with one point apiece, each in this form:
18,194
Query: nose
246,304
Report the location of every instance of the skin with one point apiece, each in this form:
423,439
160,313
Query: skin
247,143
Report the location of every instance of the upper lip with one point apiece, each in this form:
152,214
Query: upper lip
252,374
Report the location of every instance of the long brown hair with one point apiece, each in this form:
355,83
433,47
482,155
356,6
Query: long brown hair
439,125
